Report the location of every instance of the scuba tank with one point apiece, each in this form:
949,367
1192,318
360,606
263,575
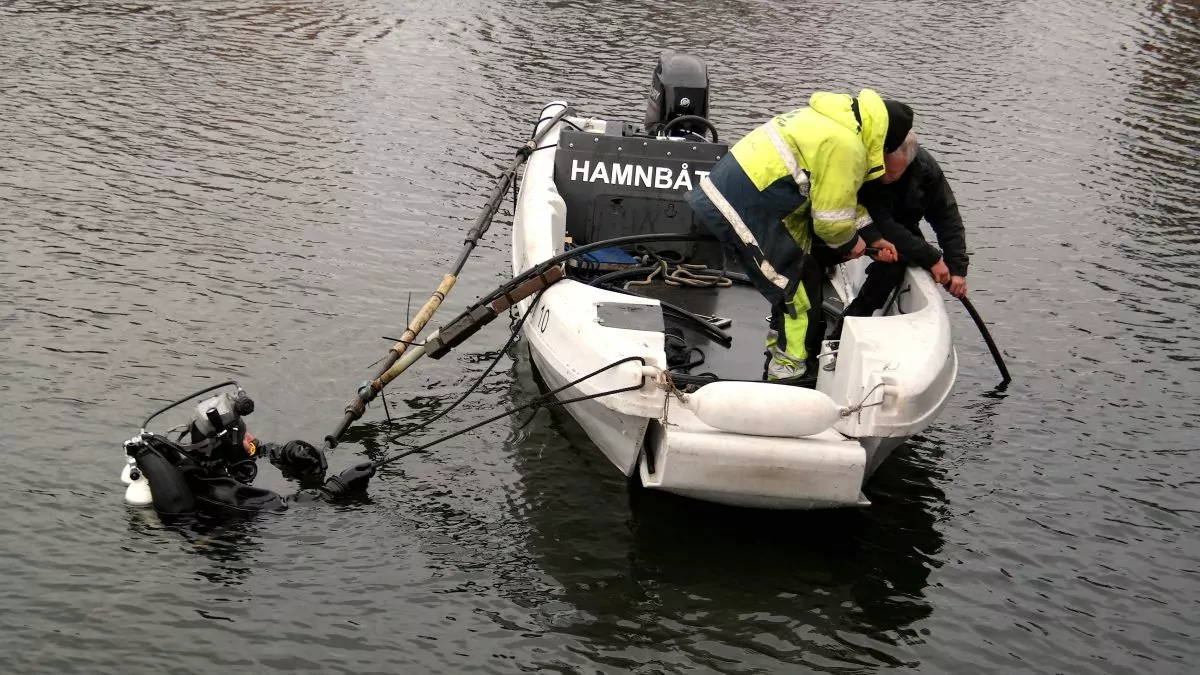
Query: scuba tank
154,479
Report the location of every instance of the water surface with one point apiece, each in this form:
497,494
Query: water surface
201,190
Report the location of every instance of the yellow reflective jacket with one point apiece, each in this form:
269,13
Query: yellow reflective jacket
832,153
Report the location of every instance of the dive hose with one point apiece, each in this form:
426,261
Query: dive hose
481,313
367,392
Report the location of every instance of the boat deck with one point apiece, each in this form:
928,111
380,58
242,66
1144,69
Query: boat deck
748,313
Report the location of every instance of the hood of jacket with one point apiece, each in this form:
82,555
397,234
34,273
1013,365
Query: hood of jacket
872,112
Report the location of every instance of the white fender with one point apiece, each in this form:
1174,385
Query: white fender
125,477
138,493
763,409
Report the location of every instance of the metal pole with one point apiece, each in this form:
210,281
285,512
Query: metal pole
355,408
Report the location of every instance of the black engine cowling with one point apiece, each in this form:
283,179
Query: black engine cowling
679,87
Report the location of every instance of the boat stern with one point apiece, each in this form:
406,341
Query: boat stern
897,371
687,457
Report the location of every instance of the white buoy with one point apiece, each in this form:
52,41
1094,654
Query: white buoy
125,477
138,493
763,409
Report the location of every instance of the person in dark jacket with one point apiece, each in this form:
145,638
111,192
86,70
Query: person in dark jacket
912,187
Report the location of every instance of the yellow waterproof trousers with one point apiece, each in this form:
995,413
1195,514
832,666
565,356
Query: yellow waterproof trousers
785,358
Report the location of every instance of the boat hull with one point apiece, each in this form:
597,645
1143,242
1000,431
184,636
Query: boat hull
677,453
892,374
618,435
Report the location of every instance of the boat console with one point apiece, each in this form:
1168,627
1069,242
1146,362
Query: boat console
620,179
631,179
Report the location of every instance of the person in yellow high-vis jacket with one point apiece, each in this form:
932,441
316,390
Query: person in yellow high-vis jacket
791,179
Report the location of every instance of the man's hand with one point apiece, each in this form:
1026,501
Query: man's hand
941,273
859,247
957,287
887,251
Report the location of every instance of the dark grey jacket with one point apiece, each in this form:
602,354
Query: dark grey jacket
897,209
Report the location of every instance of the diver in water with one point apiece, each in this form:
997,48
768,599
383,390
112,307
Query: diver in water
212,472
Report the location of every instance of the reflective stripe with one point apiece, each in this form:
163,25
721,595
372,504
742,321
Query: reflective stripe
788,157
834,216
743,232
862,221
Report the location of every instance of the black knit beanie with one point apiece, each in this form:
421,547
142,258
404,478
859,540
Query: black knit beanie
900,121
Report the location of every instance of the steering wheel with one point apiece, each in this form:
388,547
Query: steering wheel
690,118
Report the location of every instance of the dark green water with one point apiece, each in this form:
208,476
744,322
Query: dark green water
197,190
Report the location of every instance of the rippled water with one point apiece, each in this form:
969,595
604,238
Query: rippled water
195,190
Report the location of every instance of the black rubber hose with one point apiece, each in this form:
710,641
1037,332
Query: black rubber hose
618,275
736,277
331,441
987,337
541,267
484,221
167,407
543,400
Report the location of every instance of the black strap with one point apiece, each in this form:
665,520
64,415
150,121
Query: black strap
857,116
205,446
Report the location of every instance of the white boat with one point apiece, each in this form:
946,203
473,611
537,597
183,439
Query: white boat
733,438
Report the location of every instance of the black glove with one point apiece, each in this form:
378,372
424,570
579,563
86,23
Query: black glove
298,459
348,482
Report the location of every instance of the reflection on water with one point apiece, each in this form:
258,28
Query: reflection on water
649,568
200,190
223,552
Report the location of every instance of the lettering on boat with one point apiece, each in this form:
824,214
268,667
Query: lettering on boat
635,175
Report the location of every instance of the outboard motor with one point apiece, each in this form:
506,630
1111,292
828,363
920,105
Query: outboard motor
613,187
679,88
